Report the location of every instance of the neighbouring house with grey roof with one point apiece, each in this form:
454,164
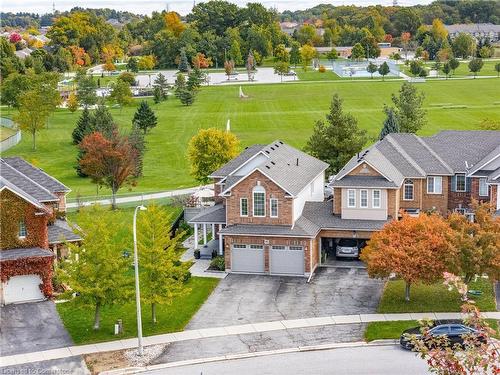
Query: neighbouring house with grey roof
480,31
271,216
34,233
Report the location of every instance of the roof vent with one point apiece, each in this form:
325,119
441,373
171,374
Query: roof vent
268,167
277,145
281,142
272,148
267,152
297,162
273,163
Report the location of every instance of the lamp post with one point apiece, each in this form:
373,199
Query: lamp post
137,290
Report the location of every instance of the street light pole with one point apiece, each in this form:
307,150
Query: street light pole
137,290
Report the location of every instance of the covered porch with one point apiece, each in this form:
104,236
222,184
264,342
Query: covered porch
207,230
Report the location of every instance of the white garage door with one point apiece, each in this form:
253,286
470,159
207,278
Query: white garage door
24,288
287,260
247,258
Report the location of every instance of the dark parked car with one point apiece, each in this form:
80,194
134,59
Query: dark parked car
454,330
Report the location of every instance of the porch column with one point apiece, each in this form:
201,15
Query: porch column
213,231
195,236
221,249
204,233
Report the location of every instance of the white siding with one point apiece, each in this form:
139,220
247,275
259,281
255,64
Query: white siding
368,213
308,194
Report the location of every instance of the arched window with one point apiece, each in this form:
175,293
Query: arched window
408,190
259,201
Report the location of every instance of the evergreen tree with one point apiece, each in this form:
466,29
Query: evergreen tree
157,95
161,84
409,113
138,143
337,140
383,70
195,77
84,126
180,84
102,121
132,65
183,62
144,118
390,123
186,96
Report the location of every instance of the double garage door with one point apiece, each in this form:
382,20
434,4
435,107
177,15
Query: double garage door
283,260
23,288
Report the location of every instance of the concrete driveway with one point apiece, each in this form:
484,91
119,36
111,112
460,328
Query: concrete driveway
241,299
31,327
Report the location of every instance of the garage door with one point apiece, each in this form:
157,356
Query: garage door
247,258
287,260
24,288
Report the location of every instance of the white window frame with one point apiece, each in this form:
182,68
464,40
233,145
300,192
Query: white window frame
434,179
456,182
484,185
361,198
378,199
412,184
241,207
349,205
258,190
271,200
22,231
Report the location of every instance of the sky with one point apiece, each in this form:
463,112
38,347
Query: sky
181,6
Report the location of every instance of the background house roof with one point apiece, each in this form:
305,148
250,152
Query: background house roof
365,181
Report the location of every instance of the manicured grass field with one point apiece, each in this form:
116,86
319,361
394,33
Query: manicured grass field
393,330
432,298
170,318
488,69
279,111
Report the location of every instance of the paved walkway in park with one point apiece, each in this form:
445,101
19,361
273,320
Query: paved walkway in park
224,331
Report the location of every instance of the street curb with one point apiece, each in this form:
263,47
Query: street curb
298,349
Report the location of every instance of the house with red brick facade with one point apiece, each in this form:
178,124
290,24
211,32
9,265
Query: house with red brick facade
271,216
33,230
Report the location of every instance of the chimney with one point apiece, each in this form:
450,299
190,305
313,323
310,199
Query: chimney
297,162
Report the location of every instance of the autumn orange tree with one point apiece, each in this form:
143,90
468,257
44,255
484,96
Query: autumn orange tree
109,162
416,249
477,242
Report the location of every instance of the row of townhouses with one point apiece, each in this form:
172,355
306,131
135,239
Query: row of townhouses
271,216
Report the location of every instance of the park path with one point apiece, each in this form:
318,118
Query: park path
232,330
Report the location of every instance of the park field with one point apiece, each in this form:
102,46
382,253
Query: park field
279,111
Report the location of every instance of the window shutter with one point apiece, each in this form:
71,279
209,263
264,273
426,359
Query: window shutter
467,184
453,183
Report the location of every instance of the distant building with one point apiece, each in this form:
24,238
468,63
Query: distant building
289,27
480,31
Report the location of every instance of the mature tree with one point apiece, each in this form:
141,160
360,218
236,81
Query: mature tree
446,69
405,41
184,66
295,56
144,118
161,83
127,77
281,54
138,143
332,55
132,65
281,68
147,62
102,121
33,113
307,54
83,127
415,249
390,123
475,66
454,64
409,112
235,53
13,86
186,97
121,94
163,275
371,68
464,45
357,52
477,242
96,270
383,70
209,150
415,67
112,161
337,140
406,19
86,90
200,61
72,102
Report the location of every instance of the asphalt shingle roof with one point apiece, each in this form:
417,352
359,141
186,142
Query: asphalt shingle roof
214,214
31,252
60,232
364,181
233,164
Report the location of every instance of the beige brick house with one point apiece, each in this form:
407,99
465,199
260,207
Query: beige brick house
271,215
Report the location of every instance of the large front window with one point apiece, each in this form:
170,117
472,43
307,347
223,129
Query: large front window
408,190
460,184
483,187
259,201
434,185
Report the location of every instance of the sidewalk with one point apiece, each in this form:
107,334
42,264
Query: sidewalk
224,331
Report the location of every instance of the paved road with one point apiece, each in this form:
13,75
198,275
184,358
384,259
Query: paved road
373,360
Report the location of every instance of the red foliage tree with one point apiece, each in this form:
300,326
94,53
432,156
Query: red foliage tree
416,249
110,162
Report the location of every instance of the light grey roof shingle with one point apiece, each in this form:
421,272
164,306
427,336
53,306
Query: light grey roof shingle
61,232
37,175
404,165
364,181
272,230
233,164
494,176
213,214
31,252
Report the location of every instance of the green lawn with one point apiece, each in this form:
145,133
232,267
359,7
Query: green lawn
488,69
393,330
432,298
277,111
314,75
170,318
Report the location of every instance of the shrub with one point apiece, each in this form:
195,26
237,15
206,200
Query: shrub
218,263
322,69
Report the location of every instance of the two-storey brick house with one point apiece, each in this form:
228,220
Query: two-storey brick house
271,214
32,230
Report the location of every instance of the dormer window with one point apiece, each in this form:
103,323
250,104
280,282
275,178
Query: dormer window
259,201
22,233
